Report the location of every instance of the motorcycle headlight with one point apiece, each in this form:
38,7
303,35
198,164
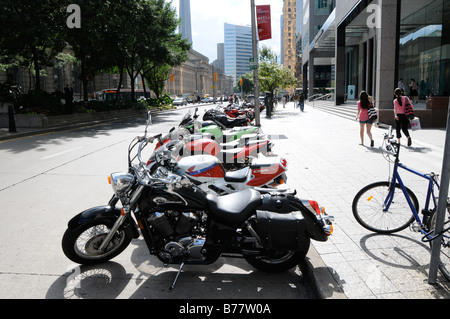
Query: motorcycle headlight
121,183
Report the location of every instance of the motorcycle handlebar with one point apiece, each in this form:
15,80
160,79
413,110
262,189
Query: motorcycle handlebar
161,175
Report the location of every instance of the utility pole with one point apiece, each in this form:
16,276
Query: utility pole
255,59
442,207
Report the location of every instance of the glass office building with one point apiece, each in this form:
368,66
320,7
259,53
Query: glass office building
374,44
185,15
424,46
238,50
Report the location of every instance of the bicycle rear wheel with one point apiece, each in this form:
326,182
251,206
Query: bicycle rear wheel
369,208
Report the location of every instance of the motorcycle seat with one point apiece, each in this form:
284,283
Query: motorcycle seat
238,176
208,123
234,209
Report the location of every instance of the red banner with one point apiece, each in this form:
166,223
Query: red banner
264,22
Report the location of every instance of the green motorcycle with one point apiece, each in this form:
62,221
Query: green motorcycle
190,123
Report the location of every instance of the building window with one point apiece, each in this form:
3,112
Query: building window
422,54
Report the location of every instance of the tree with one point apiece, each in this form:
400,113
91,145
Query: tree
31,33
273,75
93,44
154,43
247,83
170,50
156,77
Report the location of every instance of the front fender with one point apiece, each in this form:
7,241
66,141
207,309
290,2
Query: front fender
107,214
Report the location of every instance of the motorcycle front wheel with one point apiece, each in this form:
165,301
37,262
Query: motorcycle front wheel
82,245
276,261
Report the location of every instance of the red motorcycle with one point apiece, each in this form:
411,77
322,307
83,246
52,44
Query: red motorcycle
234,111
210,174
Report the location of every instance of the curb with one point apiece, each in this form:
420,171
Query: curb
319,277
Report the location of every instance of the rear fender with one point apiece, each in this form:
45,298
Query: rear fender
107,214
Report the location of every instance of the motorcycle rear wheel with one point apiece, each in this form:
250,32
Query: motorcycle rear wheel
277,261
81,246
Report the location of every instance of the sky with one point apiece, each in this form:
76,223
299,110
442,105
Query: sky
208,18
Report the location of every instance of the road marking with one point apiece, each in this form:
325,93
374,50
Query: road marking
61,153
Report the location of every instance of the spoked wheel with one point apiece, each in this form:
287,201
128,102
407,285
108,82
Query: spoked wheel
276,261
370,210
82,245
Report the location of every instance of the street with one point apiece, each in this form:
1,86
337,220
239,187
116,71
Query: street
48,179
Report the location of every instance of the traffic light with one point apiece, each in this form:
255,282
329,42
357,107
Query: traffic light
172,77
215,77
241,82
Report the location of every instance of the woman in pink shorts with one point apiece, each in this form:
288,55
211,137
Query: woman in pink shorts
364,120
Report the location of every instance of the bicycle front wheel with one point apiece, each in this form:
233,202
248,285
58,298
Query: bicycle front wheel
370,210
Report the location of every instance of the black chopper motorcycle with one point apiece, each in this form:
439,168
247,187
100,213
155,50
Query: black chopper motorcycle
181,224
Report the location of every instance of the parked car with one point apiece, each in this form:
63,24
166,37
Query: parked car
179,101
208,100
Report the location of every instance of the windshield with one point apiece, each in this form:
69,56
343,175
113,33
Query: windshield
186,118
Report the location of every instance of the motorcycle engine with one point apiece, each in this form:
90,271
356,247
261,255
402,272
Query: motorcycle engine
177,229
171,223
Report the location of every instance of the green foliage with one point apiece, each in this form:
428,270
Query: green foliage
136,36
161,102
273,75
31,33
41,102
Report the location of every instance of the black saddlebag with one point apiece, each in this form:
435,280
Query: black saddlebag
285,222
282,231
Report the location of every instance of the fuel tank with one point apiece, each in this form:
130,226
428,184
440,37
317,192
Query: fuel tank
186,198
202,168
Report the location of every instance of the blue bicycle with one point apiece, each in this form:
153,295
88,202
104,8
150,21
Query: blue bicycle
385,207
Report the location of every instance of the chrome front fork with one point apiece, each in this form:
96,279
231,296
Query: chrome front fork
112,232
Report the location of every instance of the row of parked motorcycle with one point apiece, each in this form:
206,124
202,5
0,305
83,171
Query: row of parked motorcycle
208,189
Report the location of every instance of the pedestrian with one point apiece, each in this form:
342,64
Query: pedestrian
301,102
364,121
401,85
413,91
401,121
68,92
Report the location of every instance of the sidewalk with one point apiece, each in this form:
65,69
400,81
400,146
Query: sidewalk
327,164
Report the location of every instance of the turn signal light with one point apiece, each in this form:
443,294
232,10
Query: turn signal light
109,180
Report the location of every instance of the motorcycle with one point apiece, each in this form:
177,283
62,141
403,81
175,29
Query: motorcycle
234,110
224,121
210,174
217,132
181,224
233,155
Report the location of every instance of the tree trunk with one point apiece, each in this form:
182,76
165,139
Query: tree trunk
120,84
37,84
144,86
85,90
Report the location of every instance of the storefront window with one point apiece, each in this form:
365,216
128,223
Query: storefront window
422,52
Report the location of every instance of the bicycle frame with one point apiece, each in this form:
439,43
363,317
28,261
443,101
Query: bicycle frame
396,179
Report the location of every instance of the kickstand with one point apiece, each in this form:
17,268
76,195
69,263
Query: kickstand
176,277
